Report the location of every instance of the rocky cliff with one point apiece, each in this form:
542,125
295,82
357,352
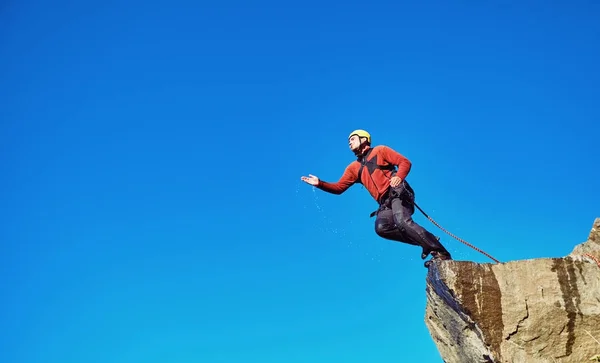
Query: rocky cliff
528,311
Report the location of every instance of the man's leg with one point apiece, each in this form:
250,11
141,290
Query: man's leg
385,227
402,210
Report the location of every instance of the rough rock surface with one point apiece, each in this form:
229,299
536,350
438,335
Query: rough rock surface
537,310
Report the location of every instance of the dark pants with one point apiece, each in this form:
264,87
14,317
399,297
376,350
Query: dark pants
394,221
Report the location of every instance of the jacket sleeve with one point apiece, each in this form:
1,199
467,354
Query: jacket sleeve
394,157
345,182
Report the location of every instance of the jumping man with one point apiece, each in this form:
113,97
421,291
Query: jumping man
383,172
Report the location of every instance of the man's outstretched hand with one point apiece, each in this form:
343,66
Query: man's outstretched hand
310,179
395,181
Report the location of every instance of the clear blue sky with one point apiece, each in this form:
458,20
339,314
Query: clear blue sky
151,155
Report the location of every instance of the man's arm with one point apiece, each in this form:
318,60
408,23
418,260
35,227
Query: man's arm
345,182
397,159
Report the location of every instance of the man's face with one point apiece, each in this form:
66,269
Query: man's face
354,142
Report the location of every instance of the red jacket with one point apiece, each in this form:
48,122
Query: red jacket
375,180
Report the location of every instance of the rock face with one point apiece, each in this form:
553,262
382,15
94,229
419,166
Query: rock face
528,311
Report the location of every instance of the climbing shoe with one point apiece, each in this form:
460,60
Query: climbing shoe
436,255
427,251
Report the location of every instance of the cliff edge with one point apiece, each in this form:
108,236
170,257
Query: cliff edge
537,310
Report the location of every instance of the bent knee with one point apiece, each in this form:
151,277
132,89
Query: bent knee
380,228
383,227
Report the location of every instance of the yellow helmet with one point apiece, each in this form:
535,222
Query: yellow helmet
361,133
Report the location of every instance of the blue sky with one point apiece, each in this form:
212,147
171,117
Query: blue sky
151,157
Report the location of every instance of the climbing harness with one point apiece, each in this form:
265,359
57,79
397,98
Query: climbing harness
593,258
453,236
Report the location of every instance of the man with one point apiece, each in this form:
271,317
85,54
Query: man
375,168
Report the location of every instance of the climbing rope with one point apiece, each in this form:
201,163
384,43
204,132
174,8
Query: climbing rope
457,238
593,258
477,249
